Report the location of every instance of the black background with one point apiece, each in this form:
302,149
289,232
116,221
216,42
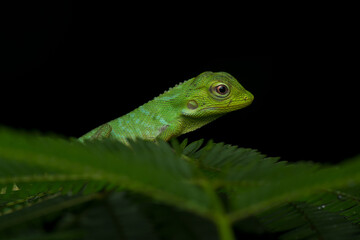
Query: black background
69,68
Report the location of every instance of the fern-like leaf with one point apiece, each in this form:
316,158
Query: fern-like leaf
302,221
223,183
146,167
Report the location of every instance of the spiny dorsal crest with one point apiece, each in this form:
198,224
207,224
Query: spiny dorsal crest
166,91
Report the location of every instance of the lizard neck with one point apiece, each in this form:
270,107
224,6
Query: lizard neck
151,119
190,124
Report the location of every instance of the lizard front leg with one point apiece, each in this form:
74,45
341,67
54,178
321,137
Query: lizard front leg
169,131
104,131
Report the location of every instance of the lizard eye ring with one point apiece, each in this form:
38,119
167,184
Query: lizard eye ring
222,89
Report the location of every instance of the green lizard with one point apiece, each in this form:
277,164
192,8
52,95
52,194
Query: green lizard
183,108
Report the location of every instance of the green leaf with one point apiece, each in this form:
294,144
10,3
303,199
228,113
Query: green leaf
190,149
117,218
345,202
148,168
302,221
224,184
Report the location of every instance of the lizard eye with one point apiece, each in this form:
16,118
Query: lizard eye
222,89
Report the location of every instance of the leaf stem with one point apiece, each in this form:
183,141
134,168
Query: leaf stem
224,227
219,215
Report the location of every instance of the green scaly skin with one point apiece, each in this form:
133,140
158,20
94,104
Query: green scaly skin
183,108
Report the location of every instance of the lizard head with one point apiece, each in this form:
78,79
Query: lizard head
215,94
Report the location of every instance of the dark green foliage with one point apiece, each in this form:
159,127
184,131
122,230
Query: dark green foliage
53,188
299,220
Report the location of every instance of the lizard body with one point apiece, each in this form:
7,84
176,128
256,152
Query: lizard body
183,108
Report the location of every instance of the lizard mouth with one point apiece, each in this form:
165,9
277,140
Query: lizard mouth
229,108
246,101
